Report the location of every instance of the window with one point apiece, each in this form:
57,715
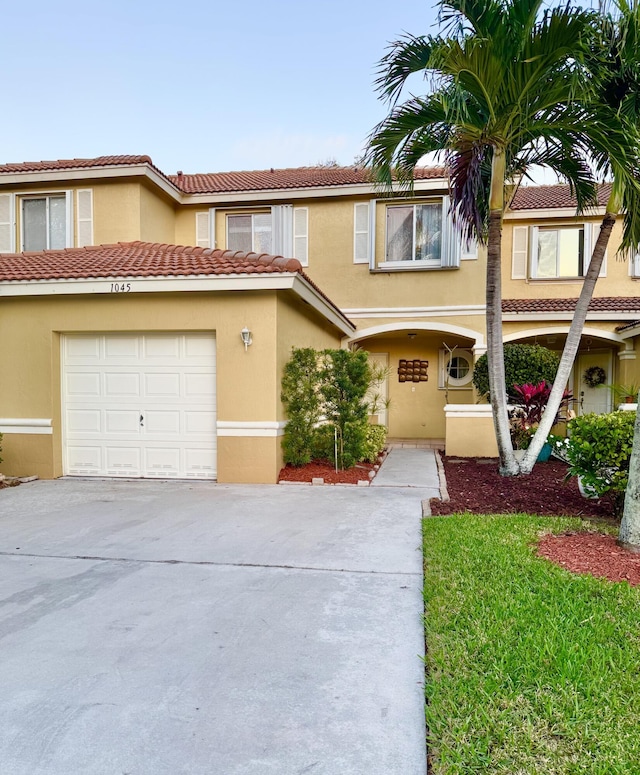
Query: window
44,223
414,233
553,252
456,368
560,252
249,233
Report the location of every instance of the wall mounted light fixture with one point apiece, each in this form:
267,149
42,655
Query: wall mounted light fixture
245,335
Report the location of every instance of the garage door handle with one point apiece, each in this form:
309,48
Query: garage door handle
141,420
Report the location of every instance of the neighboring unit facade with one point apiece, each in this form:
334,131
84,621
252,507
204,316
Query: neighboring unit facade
125,350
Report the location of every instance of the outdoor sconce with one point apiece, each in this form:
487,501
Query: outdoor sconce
245,335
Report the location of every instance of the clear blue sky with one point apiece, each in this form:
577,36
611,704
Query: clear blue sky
199,86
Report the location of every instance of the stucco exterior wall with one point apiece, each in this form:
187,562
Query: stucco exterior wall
116,212
157,218
247,382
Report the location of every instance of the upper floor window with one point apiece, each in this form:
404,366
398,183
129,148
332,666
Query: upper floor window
414,233
550,252
249,233
560,252
44,223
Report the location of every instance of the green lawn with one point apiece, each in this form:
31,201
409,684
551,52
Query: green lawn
530,669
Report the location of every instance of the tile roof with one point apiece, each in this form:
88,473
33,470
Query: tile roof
626,326
273,179
69,164
600,304
543,197
138,259
147,259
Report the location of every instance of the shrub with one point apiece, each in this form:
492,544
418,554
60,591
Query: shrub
345,377
599,451
523,363
323,447
375,438
301,398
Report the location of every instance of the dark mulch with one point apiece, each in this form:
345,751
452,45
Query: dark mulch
592,553
321,468
475,485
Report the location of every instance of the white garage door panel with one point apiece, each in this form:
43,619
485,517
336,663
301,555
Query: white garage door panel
139,405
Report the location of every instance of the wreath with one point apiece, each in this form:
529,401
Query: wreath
594,376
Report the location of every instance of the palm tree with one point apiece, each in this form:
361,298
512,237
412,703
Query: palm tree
510,90
615,68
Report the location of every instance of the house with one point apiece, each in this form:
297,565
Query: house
145,318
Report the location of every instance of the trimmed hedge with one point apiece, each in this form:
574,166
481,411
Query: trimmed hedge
523,364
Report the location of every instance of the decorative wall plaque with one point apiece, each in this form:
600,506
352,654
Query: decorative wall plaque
413,371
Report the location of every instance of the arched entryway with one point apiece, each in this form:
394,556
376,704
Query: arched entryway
427,366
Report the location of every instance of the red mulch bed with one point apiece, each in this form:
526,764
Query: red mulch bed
592,553
321,468
475,485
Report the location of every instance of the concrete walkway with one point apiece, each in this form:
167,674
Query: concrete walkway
189,628
409,468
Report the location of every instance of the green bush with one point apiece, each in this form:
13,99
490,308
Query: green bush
523,364
375,438
345,377
599,451
301,398
323,447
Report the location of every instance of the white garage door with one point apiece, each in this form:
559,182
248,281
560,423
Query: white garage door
139,405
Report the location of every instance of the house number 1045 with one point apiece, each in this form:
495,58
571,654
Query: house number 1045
120,287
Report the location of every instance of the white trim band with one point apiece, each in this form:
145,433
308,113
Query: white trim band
468,410
255,429
40,426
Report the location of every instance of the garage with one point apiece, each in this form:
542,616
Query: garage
139,405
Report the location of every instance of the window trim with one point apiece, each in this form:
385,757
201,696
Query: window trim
412,262
69,220
251,214
454,384
582,259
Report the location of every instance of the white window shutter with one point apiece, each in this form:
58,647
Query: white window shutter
451,243
282,230
202,230
301,234
84,217
69,227
361,233
519,252
7,223
589,246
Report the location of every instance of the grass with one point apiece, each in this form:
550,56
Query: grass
530,669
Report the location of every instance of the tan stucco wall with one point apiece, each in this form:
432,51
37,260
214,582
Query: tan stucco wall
416,409
471,437
116,212
157,218
248,383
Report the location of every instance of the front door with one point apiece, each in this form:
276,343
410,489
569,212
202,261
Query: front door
592,399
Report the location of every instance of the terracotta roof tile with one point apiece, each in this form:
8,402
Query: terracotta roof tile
601,304
275,179
138,259
543,197
626,326
146,259
68,164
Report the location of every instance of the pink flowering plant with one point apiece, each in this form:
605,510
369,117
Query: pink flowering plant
530,403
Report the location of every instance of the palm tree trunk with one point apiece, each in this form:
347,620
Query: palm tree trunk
629,535
571,345
495,347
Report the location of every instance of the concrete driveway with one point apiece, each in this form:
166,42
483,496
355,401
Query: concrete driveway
151,627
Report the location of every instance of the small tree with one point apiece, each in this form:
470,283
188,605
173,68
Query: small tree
345,378
301,398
